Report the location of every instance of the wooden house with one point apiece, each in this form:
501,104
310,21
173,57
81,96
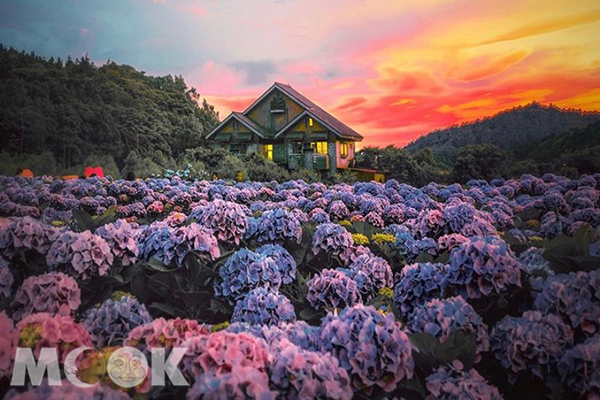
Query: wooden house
286,127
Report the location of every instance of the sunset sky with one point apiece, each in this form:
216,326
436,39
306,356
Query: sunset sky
392,70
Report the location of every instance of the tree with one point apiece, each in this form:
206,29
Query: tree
478,161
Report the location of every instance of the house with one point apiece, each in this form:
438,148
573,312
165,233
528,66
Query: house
286,127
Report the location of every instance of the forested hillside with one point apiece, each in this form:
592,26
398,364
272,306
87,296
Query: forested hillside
77,110
511,130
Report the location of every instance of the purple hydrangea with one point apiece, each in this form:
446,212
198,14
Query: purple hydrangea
278,225
283,259
352,253
417,284
452,384
533,342
575,297
394,214
374,219
442,317
481,266
331,238
226,219
332,289
26,234
338,210
110,323
171,245
370,274
318,216
6,278
300,374
579,368
370,346
68,391
533,262
450,241
264,307
121,236
83,254
9,340
244,271
53,293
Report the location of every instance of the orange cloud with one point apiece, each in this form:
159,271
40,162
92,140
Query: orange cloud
494,67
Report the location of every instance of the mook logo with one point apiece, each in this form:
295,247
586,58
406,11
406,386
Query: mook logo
127,367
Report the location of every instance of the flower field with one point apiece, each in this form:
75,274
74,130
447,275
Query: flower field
490,290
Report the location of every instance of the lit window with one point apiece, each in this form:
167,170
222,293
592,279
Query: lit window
267,150
297,148
310,122
320,147
343,149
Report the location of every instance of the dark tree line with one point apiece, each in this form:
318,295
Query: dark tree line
75,109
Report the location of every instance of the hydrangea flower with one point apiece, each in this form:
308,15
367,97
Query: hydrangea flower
370,346
110,323
331,238
83,254
318,216
417,284
171,245
121,237
575,297
26,234
52,293
167,334
300,374
533,342
579,367
451,384
370,274
244,271
227,365
38,331
534,262
278,225
283,259
226,219
67,390
450,241
264,307
352,253
374,219
338,210
442,317
393,214
481,266
9,340
6,278
332,288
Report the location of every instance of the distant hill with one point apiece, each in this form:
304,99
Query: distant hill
512,130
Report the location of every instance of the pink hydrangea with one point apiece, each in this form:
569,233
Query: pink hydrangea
26,234
162,333
38,331
52,293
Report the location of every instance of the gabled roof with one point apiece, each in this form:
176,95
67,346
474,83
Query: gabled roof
247,122
311,109
319,114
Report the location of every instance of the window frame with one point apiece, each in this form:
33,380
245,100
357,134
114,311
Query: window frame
320,147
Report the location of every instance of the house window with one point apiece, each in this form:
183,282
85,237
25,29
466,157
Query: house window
343,149
267,150
296,147
320,147
310,122
238,148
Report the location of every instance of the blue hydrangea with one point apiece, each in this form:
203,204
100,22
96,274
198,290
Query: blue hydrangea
244,271
370,274
332,239
278,225
284,260
579,368
482,266
533,262
370,346
417,284
264,307
332,289
575,297
227,220
451,384
110,323
457,215
533,342
442,317
319,216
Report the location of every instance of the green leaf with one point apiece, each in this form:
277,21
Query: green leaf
82,220
157,265
168,309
